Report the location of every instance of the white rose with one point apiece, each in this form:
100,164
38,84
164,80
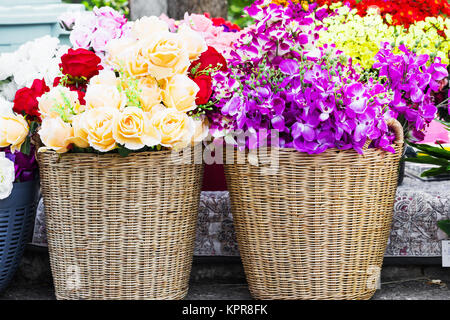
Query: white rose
7,176
8,90
6,107
25,73
8,63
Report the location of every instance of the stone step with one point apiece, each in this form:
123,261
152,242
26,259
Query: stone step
222,278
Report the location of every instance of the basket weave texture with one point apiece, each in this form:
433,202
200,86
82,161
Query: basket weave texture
317,229
120,227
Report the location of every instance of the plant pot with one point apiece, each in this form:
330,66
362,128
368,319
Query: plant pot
17,214
318,229
120,227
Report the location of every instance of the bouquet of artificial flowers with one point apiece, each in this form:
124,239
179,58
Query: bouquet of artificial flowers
150,92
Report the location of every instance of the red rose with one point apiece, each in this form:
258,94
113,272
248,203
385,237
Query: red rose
205,84
209,59
80,63
25,101
80,88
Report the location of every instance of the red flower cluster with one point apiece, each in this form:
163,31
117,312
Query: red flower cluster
200,70
221,22
79,66
26,102
403,12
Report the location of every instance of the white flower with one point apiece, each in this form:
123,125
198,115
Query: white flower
8,63
8,90
7,176
6,107
25,73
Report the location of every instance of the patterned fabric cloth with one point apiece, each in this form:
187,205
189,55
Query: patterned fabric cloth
418,207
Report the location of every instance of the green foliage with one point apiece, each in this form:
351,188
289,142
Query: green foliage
445,226
438,156
236,12
119,5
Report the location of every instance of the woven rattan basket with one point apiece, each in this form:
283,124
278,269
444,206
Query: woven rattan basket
318,228
120,227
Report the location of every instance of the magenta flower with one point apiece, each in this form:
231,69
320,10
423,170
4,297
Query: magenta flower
278,79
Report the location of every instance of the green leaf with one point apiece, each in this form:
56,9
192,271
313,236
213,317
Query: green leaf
444,225
433,151
124,152
436,171
429,160
26,146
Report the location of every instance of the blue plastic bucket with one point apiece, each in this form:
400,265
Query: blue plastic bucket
16,223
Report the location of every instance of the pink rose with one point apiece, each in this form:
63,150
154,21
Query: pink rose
171,22
200,23
81,38
100,39
109,13
223,42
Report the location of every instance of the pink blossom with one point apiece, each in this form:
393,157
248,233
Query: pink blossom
171,22
214,36
81,38
100,39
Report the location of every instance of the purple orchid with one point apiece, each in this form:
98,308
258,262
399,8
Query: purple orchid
24,165
413,84
279,79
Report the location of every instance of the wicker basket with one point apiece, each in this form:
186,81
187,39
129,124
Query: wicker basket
319,228
120,227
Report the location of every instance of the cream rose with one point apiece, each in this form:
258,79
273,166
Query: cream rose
180,92
99,123
194,42
117,50
60,102
129,129
13,131
201,129
166,55
147,26
105,77
135,63
149,93
56,134
79,133
104,96
176,128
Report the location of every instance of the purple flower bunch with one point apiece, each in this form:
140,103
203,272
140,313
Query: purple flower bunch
25,165
413,81
278,79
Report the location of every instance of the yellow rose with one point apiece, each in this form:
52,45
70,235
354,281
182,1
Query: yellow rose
105,77
56,134
117,50
180,92
13,131
129,129
135,64
176,128
104,96
60,102
166,55
195,44
201,129
147,26
149,93
79,138
99,123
